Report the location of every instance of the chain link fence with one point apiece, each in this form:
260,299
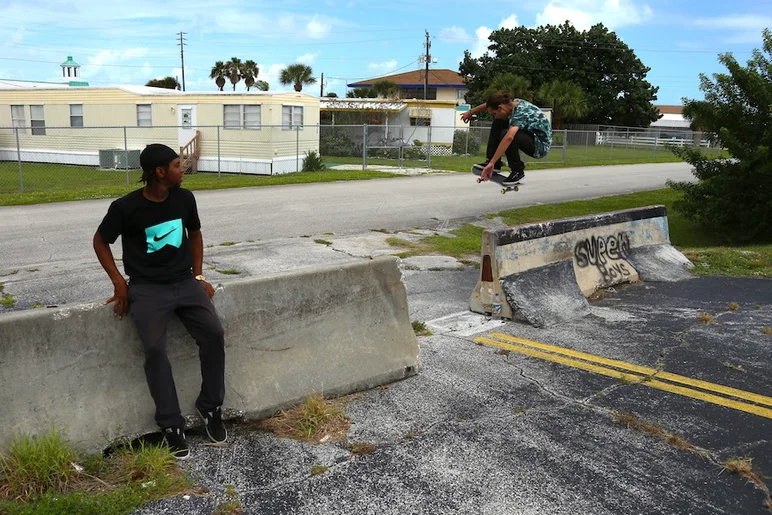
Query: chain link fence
40,159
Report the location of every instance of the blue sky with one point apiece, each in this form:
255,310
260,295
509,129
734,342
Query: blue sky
350,40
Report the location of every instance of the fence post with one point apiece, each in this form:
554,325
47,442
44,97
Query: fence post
364,147
565,144
401,145
126,153
586,144
297,148
218,151
611,153
656,142
18,156
429,147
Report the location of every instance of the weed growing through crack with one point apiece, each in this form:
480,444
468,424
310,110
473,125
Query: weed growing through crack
384,231
420,329
734,306
767,330
318,469
228,243
733,366
361,448
7,300
323,242
632,421
232,506
744,468
705,318
228,271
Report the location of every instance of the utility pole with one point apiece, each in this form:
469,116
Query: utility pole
427,58
182,56
321,86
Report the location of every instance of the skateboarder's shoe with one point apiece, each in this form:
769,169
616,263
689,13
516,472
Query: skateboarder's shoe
513,178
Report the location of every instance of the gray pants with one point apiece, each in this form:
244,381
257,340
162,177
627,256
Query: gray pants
152,306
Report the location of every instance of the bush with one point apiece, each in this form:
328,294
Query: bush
337,142
731,197
465,142
312,162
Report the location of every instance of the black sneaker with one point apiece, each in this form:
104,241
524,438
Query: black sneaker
213,424
175,439
513,178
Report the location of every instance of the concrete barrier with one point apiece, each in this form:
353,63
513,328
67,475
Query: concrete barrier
542,273
332,330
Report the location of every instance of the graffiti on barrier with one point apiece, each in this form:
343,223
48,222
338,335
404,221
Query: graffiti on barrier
606,253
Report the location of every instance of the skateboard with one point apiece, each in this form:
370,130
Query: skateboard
497,177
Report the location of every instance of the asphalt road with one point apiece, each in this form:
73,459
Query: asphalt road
61,233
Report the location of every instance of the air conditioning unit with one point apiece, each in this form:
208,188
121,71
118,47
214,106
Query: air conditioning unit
119,159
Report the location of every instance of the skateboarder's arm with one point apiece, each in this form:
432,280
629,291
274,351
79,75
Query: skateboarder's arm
468,115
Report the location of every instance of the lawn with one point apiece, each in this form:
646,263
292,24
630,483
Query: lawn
701,247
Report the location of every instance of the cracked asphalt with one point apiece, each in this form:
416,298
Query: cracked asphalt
482,430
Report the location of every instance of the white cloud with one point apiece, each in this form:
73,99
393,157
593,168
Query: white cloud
483,34
583,14
384,66
744,22
307,58
453,35
106,65
317,29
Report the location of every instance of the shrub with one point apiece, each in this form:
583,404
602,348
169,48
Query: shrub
312,162
465,142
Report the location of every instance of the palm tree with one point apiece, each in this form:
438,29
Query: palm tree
566,98
386,88
361,93
233,71
218,74
516,85
249,71
297,74
261,85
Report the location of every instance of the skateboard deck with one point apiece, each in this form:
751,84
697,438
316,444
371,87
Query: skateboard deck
497,177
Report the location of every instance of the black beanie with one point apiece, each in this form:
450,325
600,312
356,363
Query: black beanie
156,155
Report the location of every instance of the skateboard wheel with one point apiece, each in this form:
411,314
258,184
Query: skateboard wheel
516,188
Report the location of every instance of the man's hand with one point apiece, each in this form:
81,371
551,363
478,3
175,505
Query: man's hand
121,299
209,289
487,172
466,116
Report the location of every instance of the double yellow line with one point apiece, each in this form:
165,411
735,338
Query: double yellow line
634,373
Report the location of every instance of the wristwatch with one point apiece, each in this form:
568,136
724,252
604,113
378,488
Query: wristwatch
199,278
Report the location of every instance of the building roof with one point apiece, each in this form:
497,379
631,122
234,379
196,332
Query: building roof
28,84
136,90
438,78
69,62
666,109
360,104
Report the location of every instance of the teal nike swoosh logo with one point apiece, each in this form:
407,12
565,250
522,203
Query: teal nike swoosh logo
163,234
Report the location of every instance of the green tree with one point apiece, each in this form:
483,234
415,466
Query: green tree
218,73
361,93
233,71
566,99
605,68
298,75
331,94
261,85
386,88
166,83
516,85
249,71
732,197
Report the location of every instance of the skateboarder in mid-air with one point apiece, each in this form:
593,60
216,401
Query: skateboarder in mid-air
517,125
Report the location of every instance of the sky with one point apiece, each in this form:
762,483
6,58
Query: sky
352,40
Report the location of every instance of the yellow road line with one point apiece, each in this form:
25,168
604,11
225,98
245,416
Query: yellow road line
675,378
653,383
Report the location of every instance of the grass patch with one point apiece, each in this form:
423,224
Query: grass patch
45,183
744,468
705,318
232,506
228,243
384,231
420,329
228,271
42,475
323,242
316,420
734,306
7,300
36,305
464,243
767,331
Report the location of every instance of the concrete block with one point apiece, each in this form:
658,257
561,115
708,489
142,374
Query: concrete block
333,330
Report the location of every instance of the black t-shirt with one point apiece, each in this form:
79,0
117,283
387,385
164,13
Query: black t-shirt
155,242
